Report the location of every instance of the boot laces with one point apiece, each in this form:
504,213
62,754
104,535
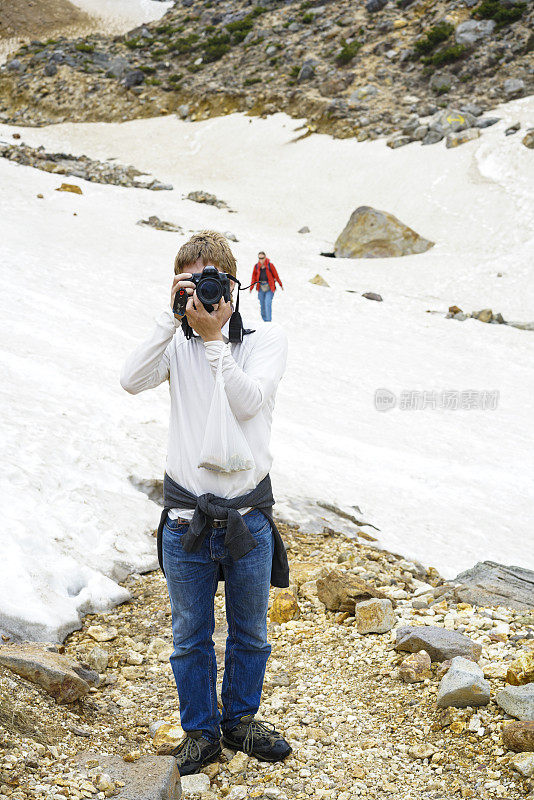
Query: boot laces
257,730
189,750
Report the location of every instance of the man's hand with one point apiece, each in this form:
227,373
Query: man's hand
207,325
178,281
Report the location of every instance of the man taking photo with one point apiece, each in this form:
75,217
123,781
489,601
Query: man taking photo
216,525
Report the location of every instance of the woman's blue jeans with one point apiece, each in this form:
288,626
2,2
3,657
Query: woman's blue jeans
192,582
266,303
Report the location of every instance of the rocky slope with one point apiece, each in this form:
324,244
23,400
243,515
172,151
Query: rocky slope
353,69
362,714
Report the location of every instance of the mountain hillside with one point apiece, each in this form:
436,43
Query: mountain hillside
363,69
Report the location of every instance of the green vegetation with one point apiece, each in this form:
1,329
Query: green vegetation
251,81
503,15
433,37
153,81
308,18
294,71
348,51
175,77
85,47
215,47
147,69
446,56
239,29
184,44
132,44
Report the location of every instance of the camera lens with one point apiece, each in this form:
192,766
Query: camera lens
209,290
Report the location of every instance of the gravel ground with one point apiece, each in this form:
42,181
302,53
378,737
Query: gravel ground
356,728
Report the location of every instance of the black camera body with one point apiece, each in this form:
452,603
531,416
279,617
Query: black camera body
210,284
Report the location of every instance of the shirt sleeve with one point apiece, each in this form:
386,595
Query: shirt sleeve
148,365
249,388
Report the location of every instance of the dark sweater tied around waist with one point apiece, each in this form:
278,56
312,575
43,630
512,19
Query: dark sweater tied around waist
238,539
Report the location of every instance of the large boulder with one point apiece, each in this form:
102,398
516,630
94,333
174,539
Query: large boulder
463,685
374,616
472,31
340,591
519,736
147,778
440,643
492,584
371,233
65,680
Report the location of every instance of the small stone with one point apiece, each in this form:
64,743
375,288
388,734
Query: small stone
98,659
487,122
318,280
518,736
398,141
238,763
132,755
524,763
456,139
528,139
512,129
304,229
285,607
211,770
373,296
340,591
463,685
518,701
72,187
104,784
513,86
237,793
521,670
374,616
195,784
439,643
416,667
167,737
423,750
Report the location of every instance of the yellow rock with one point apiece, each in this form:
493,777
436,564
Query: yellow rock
69,187
284,607
521,670
132,755
168,736
400,23
318,280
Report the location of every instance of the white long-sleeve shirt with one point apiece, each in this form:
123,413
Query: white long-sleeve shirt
251,370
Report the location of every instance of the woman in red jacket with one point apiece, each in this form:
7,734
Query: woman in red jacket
265,277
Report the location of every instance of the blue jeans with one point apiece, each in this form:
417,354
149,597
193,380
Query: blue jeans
266,302
192,582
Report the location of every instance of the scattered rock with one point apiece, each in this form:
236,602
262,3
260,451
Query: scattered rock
159,224
102,633
373,296
167,736
456,139
439,643
374,616
519,736
318,280
238,763
463,685
307,71
524,763
285,607
340,591
513,87
521,670
512,129
231,236
472,31
492,584
420,751
486,122
63,679
69,187
304,229
371,233
518,701
205,197
98,659
398,141
195,784
528,139
416,667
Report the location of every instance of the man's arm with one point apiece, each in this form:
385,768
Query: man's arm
250,388
148,365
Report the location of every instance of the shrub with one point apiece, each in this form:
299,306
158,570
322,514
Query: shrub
184,44
433,37
175,77
215,47
503,15
348,51
131,44
446,56
84,47
251,81
307,18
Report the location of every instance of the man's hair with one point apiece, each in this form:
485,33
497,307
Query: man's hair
261,253
212,247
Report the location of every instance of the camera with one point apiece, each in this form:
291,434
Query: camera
211,285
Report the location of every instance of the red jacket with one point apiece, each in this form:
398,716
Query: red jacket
272,275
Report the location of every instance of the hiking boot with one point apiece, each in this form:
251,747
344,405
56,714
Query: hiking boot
255,738
194,752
